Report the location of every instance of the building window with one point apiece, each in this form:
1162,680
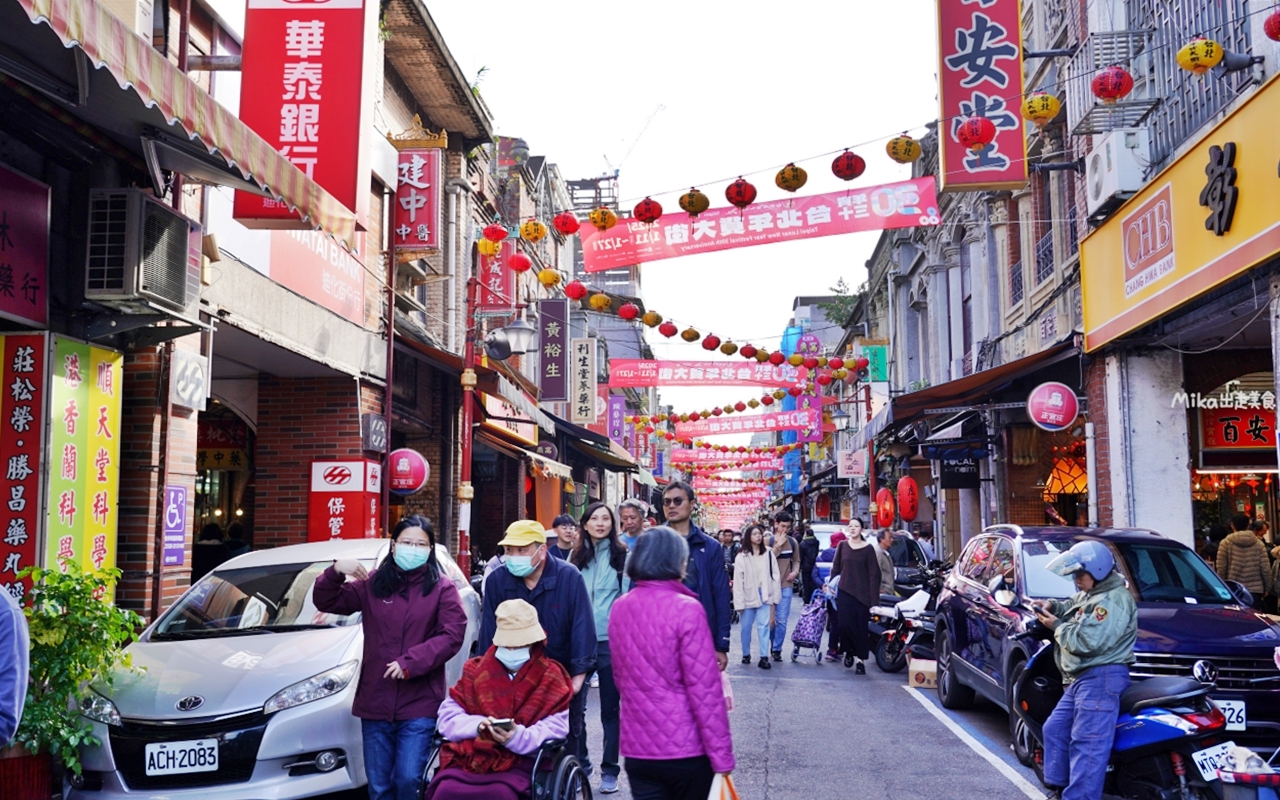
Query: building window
1044,246
1015,284
966,306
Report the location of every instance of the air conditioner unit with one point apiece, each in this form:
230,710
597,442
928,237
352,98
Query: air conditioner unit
140,257
1114,170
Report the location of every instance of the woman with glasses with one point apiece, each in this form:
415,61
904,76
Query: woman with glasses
413,624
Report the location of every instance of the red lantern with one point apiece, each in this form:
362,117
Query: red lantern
739,406
776,358
1271,26
575,290
767,400
747,351
810,363
710,342
669,436
566,223
884,508
740,193
695,416
794,391
628,311
863,362
976,133
519,262
908,498
824,379
822,507
835,363
647,211
1112,84
715,412
494,232
848,166
668,329
649,429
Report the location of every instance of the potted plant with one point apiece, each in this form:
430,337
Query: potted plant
76,638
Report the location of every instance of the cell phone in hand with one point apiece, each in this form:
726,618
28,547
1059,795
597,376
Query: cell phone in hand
504,724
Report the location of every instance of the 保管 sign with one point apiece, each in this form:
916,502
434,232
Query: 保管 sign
907,204
980,75
304,93
553,360
343,502
1052,406
582,399
22,418
751,423
633,373
416,225
24,249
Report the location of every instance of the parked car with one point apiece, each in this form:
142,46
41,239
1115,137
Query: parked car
243,689
1190,623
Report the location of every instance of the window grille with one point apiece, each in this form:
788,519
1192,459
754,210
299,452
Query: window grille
1044,258
1015,284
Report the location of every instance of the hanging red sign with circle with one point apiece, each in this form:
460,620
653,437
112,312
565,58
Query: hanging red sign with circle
908,498
409,471
1053,406
884,508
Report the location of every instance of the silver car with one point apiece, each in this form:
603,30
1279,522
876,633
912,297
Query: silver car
242,690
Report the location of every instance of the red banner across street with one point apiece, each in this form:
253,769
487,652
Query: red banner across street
632,373
801,419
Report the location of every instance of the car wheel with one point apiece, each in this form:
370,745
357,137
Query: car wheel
1023,747
890,656
951,693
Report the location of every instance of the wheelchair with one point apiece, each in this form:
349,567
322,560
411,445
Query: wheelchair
557,774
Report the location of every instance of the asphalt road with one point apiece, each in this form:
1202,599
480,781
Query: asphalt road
803,730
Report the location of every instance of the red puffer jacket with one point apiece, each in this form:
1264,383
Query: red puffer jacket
664,665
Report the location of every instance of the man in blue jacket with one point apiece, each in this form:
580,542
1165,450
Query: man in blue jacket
15,652
706,574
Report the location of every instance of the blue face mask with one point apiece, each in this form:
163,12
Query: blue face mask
513,658
410,558
519,566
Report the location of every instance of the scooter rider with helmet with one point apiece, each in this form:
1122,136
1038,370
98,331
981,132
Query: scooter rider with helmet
1095,631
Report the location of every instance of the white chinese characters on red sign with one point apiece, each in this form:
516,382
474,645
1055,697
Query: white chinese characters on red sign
344,500
417,207
409,471
1053,406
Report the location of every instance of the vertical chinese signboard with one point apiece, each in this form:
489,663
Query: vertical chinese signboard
980,75
307,97
83,454
417,208
22,415
497,283
553,336
582,398
344,500
617,419
24,249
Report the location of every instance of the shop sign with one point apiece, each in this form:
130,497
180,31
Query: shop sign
582,400
809,345
602,410
1205,219
503,416
548,450
907,204
22,419
222,444
373,432
307,97
1053,406
344,498
631,373
959,473
82,498
416,214
980,75
851,463
553,360
798,420
188,380
1237,429
497,283
408,471
877,362
24,249
617,419
175,526
811,432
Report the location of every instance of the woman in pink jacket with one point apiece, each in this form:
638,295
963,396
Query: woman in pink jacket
675,723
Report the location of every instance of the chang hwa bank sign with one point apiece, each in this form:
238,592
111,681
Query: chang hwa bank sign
1148,242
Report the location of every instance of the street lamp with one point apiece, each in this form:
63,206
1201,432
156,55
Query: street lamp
841,419
520,336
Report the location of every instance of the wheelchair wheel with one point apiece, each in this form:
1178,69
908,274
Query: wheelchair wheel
570,782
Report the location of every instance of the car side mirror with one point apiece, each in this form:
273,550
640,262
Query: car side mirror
995,584
1006,598
1242,595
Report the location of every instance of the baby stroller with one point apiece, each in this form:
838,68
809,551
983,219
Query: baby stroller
810,626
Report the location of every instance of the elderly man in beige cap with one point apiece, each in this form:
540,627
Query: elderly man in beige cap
507,703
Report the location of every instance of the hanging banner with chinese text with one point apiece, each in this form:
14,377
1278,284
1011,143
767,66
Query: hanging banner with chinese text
617,419
553,338
750,423
980,75
24,249
416,212
697,455
582,400
307,97
83,454
497,283
896,205
813,431
632,373
1238,428
22,415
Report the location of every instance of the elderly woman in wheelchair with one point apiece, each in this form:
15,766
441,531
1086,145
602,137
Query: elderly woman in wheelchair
507,705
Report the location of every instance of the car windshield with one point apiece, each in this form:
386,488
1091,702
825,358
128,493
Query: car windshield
1172,575
1039,581
250,600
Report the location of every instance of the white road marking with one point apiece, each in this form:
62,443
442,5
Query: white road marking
1004,769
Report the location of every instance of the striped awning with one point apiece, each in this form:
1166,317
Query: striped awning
112,45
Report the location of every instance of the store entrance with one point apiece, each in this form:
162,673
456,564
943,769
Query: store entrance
224,476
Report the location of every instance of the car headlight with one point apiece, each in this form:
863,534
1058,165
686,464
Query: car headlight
314,688
99,709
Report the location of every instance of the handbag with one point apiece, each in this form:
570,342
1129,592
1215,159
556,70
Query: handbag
727,687
722,788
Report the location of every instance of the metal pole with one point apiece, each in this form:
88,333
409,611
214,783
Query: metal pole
1091,469
871,453
465,491
388,399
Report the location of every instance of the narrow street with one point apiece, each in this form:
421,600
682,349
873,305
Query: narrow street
819,732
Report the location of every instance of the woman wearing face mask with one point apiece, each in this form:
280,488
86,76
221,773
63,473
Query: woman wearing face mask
601,558
514,680
757,588
413,623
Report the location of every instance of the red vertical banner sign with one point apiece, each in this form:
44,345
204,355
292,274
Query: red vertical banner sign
24,249
305,93
417,212
980,75
497,283
22,418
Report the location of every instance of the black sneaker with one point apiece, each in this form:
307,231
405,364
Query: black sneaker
764,663
746,659
859,669
848,660
777,655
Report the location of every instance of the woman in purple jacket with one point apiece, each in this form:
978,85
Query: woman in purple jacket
675,723
413,624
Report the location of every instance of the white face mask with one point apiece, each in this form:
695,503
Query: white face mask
513,658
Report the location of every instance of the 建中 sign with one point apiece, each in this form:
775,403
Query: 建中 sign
417,212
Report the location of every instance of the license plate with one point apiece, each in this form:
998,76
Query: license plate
1233,710
1210,760
175,758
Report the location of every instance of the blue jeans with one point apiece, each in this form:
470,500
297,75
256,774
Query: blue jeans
395,755
760,618
780,623
1081,730
610,704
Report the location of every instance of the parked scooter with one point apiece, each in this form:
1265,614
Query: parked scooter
908,625
1170,736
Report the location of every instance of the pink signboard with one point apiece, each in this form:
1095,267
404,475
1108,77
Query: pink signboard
631,373
417,207
799,420
1052,406
497,283
896,205
980,75
24,249
813,431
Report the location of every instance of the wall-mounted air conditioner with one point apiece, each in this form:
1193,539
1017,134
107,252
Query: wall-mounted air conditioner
1114,170
139,253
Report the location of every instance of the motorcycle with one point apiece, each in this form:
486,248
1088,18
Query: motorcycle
1170,736
907,626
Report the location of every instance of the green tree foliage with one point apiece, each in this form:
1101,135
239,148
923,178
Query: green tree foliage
841,308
